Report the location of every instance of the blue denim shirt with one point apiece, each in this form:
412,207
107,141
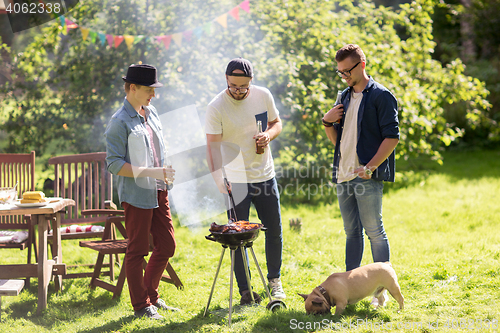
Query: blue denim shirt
377,120
127,141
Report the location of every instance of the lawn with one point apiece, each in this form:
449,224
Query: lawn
443,228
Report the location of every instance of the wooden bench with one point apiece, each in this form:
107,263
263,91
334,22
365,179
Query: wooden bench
9,288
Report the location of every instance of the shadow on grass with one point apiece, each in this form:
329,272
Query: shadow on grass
62,306
356,315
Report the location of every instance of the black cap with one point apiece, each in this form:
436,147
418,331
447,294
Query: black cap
241,64
144,75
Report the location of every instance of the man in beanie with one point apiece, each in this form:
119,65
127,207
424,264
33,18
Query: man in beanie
135,153
232,142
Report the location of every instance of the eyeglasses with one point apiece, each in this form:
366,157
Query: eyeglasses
348,72
241,90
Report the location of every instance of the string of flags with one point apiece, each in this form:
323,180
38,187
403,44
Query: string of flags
130,40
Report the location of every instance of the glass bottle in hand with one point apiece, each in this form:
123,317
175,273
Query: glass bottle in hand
167,163
259,149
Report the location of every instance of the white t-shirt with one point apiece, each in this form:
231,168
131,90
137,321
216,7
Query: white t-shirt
348,145
236,120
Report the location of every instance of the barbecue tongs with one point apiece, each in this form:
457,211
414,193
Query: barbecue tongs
232,206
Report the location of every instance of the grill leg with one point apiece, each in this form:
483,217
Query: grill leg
231,286
260,273
247,273
215,280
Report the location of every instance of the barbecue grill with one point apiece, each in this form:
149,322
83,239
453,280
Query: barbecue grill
234,240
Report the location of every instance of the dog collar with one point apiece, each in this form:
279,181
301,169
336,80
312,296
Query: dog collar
324,293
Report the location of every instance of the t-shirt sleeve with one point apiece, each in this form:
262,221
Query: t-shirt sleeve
272,111
213,121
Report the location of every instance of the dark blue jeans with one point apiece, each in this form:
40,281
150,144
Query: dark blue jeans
360,202
266,199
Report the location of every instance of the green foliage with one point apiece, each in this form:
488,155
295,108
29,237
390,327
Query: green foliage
310,32
67,89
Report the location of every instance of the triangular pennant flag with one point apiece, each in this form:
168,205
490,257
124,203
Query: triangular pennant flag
70,25
166,41
245,5
188,34
207,27
85,33
129,40
222,20
102,37
63,20
177,38
138,38
198,31
159,39
93,36
235,12
118,40
110,39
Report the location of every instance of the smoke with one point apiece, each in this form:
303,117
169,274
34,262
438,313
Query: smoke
195,197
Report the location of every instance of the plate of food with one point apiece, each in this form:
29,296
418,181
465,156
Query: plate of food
30,204
32,199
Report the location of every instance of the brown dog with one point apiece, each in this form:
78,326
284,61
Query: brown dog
350,287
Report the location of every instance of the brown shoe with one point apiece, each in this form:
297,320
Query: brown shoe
246,298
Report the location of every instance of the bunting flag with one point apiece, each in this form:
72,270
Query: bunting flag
85,33
245,5
235,13
222,20
130,40
118,40
110,40
177,38
93,36
102,38
187,35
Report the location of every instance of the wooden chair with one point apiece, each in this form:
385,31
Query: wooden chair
119,246
85,179
20,169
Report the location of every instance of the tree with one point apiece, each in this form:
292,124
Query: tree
309,33
65,89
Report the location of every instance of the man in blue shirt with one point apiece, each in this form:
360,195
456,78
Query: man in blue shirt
135,153
364,128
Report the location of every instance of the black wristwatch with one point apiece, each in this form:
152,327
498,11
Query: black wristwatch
326,123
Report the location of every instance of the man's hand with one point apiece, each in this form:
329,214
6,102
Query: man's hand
334,114
263,139
168,174
361,172
222,186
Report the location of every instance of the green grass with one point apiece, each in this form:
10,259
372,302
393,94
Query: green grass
443,227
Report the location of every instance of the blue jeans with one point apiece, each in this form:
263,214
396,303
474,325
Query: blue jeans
360,202
266,199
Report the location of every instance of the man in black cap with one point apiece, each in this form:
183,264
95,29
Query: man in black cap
234,142
135,153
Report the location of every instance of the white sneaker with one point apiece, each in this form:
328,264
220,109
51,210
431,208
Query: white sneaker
276,289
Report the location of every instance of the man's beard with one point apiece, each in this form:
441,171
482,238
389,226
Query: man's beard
238,98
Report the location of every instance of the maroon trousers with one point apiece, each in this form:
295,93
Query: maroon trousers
140,223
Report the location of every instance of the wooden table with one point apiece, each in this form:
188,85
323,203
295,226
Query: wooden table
45,268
